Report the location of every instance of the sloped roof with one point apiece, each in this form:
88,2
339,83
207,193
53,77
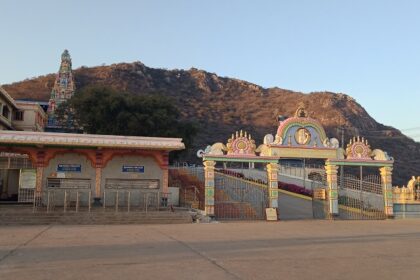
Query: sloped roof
8,97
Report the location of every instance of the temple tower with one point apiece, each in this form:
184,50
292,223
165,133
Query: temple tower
62,91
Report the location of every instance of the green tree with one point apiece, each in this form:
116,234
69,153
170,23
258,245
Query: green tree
103,110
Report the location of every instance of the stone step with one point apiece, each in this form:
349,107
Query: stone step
152,221
30,210
84,213
95,217
25,216
95,221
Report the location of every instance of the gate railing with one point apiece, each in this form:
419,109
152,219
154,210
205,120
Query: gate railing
73,199
135,200
361,198
196,171
236,198
80,200
26,195
299,170
190,181
193,197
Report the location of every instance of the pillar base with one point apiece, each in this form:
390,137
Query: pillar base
97,202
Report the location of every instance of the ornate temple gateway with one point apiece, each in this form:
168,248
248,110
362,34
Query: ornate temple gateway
302,137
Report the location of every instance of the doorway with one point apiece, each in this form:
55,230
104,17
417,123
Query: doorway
9,185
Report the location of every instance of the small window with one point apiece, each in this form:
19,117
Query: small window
19,116
6,112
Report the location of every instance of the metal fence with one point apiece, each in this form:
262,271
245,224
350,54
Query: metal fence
299,170
190,181
80,200
238,199
66,200
361,199
195,171
190,197
358,199
235,198
26,195
135,200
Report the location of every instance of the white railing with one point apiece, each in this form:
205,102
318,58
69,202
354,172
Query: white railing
299,171
78,200
135,200
26,195
67,200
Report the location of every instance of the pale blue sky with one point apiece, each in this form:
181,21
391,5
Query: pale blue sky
367,49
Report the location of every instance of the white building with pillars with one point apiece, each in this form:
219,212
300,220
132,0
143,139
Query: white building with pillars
98,167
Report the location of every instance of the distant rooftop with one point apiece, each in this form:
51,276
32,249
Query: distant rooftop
27,100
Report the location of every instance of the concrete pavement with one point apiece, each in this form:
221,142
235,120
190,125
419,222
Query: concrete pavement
294,208
253,250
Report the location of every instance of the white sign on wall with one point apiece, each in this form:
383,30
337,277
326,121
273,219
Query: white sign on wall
27,179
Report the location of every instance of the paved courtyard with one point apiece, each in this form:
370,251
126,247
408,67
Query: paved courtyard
252,250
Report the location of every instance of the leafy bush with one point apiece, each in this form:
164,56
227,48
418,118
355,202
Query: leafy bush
294,189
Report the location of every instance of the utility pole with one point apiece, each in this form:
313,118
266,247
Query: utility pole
341,129
304,173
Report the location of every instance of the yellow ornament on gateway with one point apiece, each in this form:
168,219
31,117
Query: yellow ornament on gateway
241,145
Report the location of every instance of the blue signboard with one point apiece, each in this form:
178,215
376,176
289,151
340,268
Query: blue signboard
69,168
133,168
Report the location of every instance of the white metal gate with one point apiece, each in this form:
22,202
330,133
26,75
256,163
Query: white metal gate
361,198
238,199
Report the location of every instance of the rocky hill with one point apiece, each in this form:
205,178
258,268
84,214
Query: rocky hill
223,105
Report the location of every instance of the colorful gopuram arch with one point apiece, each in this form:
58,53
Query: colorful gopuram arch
299,137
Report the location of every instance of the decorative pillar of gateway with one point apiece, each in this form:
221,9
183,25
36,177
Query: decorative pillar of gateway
272,176
332,188
209,187
386,179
